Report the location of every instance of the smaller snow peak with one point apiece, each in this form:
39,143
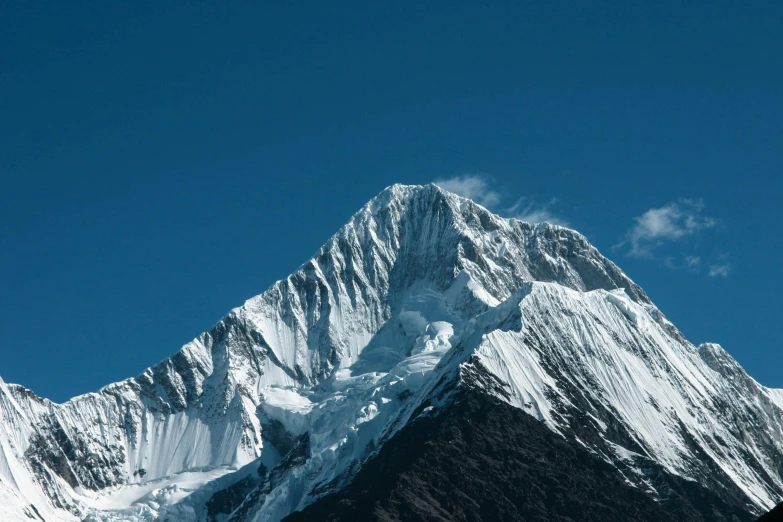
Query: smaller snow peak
716,357
550,231
726,366
19,392
544,225
713,348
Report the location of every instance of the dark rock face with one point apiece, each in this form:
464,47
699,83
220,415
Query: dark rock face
483,460
276,433
240,501
296,457
72,458
776,515
226,501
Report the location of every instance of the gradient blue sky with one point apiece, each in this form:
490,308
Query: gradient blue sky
161,162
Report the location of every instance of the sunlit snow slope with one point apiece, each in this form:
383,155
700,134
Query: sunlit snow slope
420,293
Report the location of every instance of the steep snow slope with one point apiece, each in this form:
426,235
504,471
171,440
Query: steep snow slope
601,368
283,399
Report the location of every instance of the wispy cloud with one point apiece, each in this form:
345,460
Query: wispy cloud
671,222
693,262
721,270
721,267
472,187
479,189
690,263
677,226
532,212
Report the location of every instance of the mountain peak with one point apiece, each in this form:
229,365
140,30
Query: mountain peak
289,393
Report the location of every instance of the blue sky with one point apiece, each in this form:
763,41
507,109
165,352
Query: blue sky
162,163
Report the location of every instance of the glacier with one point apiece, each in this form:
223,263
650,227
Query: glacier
420,294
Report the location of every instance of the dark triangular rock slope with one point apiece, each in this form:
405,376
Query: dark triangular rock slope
482,460
776,515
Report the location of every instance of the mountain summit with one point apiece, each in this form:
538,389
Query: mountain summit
432,361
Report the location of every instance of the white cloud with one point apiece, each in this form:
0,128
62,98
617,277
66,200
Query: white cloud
478,189
471,187
671,222
531,212
720,269
692,262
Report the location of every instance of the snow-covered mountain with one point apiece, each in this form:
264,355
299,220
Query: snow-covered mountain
420,295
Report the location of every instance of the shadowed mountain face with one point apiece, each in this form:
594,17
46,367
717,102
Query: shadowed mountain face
420,297
776,515
480,459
